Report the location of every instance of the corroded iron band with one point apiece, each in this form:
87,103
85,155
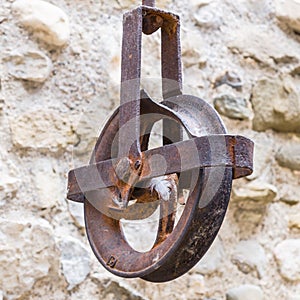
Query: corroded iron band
238,156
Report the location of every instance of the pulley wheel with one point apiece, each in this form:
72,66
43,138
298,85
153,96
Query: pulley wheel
204,210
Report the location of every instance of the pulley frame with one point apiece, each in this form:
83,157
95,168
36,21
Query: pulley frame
122,166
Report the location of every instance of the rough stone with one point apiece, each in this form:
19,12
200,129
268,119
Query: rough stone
276,105
195,78
230,78
250,217
125,3
288,13
48,22
254,10
250,257
110,39
212,260
2,104
294,221
48,186
141,234
287,255
295,71
197,287
27,255
192,49
207,16
87,131
75,260
264,151
76,211
43,130
254,194
247,40
31,65
252,201
245,292
289,156
290,194
232,107
9,181
200,3
114,289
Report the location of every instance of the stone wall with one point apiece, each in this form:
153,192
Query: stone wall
60,68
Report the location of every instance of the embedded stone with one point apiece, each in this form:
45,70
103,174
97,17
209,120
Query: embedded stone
125,3
263,154
43,130
250,217
87,132
212,260
200,3
141,236
262,46
252,200
29,65
295,71
49,188
192,49
254,194
289,156
9,179
290,193
245,292
196,79
254,10
250,257
230,78
48,22
288,13
232,107
276,105
207,17
287,255
75,260
294,221
116,289
2,103
28,254
76,211
197,287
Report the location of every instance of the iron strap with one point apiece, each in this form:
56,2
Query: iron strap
228,151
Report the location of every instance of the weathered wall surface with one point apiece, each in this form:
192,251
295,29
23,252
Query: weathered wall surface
59,83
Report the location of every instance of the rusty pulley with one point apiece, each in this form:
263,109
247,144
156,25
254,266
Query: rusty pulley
126,180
